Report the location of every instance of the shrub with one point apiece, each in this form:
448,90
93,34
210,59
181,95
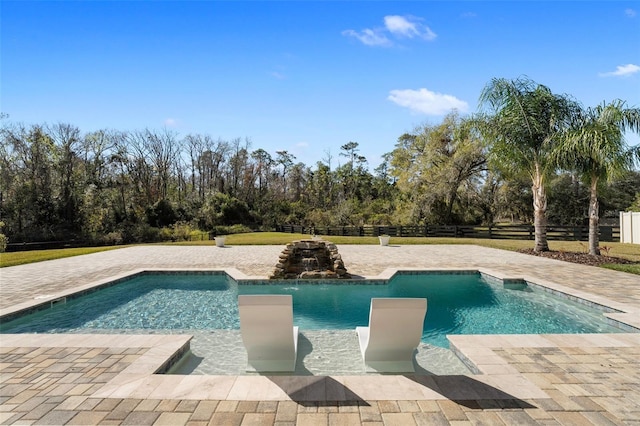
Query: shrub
112,238
3,239
140,233
197,235
166,234
181,231
233,229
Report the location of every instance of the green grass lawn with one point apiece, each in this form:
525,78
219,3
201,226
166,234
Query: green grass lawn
24,257
631,269
627,251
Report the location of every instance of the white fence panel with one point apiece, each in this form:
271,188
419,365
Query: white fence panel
630,227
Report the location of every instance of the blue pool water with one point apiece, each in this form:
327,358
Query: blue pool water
457,304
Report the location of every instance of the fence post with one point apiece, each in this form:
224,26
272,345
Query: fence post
565,233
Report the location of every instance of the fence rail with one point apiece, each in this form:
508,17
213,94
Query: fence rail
498,232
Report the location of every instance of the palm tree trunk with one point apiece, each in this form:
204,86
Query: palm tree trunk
539,213
594,243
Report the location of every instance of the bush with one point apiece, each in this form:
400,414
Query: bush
112,238
181,231
3,239
140,233
197,235
233,229
166,234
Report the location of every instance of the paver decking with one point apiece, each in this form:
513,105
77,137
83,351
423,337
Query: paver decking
577,379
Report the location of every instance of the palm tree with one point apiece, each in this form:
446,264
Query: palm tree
522,127
595,147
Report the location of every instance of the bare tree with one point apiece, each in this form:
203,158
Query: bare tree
67,140
285,159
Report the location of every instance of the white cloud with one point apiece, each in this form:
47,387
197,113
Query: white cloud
398,26
622,71
171,122
424,101
630,13
408,26
369,37
277,75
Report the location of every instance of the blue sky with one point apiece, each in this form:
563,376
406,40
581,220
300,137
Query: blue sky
303,76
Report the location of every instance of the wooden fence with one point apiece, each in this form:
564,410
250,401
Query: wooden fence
499,232
503,232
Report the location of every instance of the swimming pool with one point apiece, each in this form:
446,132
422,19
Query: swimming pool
460,303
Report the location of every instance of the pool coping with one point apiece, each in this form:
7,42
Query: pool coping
624,314
141,379
496,378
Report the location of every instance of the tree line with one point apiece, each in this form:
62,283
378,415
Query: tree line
528,155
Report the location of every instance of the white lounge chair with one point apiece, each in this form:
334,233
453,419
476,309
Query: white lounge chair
266,325
394,333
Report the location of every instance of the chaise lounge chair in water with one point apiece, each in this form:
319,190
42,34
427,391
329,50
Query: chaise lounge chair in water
393,335
266,325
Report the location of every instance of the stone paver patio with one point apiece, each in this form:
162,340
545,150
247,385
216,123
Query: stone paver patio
539,379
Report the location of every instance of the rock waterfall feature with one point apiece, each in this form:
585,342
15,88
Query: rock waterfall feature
310,259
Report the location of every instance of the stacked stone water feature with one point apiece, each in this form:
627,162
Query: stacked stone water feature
310,259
